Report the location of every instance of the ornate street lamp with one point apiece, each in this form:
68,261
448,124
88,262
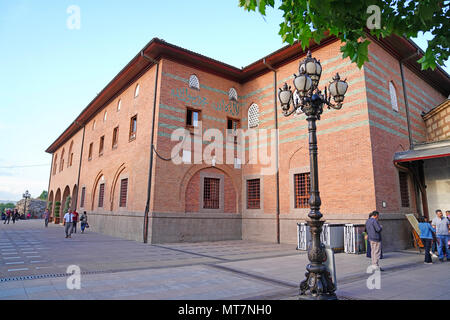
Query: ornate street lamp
310,100
26,196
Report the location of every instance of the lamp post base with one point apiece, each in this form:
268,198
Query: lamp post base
318,284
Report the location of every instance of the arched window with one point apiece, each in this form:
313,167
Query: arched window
253,116
105,116
55,164
232,94
61,165
70,156
393,96
193,82
119,105
136,91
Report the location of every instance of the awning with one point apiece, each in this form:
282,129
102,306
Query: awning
422,154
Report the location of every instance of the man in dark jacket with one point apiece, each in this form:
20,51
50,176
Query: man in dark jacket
374,233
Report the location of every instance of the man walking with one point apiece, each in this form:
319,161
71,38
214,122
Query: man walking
74,221
68,223
8,216
441,225
374,234
46,217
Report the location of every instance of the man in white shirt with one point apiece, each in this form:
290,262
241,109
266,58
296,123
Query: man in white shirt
68,217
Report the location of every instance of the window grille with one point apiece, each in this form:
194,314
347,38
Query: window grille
232,94
404,194
211,193
193,82
253,116
101,195
123,192
83,195
302,186
253,194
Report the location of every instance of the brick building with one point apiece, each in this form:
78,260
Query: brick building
116,160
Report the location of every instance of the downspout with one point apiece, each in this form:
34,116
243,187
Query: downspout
49,181
79,166
405,97
276,148
150,172
411,145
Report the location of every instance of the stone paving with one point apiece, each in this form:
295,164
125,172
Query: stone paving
34,261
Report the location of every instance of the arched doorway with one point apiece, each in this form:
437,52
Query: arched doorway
66,194
57,204
74,198
50,203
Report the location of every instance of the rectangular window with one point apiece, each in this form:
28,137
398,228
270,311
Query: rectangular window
133,127
101,195
100,147
302,186
253,194
91,146
83,196
115,137
233,125
192,118
404,194
123,193
211,193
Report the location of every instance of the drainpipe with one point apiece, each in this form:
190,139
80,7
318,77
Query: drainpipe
79,166
276,143
405,97
411,145
49,182
150,172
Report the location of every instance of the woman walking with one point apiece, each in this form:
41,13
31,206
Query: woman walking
83,220
426,235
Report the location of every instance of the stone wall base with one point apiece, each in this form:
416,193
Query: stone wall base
198,227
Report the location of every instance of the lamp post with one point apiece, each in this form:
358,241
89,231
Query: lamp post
26,196
309,99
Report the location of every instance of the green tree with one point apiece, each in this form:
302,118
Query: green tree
350,20
44,195
4,206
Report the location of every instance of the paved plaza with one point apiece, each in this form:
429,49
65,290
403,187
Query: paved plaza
34,263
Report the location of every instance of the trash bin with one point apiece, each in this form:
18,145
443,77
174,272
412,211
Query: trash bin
354,241
303,236
333,236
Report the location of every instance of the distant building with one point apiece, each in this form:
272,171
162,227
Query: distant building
102,160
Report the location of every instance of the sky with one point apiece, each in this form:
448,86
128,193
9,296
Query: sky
50,69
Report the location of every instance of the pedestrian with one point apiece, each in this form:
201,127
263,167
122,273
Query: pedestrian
68,224
13,216
368,250
74,221
84,222
426,235
3,215
441,225
8,216
374,229
46,217
16,214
